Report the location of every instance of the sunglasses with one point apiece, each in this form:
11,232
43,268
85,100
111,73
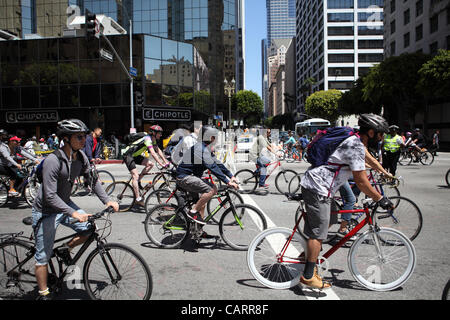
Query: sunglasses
80,137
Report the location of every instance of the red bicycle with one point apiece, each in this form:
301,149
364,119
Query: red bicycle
380,259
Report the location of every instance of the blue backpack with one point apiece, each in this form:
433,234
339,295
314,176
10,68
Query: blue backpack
325,143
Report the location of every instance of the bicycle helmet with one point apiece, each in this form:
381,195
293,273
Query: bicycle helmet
208,132
373,121
70,126
393,127
408,134
156,128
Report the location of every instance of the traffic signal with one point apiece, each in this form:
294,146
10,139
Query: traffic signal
219,124
89,24
139,100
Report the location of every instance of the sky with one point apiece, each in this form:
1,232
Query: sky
255,31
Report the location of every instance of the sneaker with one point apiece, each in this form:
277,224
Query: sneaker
315,282
343,233
64,254
266,186
13,193
46,297
195,216
140,203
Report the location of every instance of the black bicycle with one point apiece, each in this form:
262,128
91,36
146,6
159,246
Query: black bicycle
168,226
112,271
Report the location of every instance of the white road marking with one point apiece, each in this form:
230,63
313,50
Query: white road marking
310,294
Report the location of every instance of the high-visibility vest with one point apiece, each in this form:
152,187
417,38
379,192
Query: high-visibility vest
391,144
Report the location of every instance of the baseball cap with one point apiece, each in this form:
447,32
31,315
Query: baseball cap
15,138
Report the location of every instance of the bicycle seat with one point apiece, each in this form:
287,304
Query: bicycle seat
293,196
28,221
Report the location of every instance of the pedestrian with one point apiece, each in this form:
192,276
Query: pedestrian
391,149
51,142
42,144
93,148
259,152
435,146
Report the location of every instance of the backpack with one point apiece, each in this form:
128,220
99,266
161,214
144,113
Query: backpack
58,154
325,143
135,141
132,137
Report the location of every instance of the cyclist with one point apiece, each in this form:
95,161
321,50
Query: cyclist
133,156
320,183
391,149
9,166
53,206
301,145
189,172
256,153
290,142
410,143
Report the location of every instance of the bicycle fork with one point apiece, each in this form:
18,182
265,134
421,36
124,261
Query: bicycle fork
104,253
376,239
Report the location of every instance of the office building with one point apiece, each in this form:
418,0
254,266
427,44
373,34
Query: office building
337,41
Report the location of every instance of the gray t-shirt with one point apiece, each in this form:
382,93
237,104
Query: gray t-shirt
322,180
260,143
54,194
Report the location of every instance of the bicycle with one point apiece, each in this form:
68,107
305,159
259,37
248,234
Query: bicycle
380,259
105,177
111,270
447,177
167,225
122,192
249,179
293,155
27,189
407,154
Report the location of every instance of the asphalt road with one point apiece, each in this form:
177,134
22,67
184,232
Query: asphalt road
216,272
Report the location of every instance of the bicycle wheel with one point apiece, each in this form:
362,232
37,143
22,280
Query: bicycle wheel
165,226
405,159
426,158
214,202
406,217
445,293
106,179
117,272
294,184
239,225
17,281
265,251
123,193
160,196
247,180
447,179
164,179
31,190
3,194
283,179
382,260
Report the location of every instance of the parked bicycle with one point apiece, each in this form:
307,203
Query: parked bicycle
105,177
380,259
167,225
407,155
111,271
27,189
249,179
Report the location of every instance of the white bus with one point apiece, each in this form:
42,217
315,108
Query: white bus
310,126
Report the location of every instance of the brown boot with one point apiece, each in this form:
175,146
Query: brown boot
315,282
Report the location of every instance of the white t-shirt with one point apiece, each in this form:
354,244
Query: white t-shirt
351,153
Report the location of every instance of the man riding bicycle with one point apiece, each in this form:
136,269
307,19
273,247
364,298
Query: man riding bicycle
189,172
321,183
53,206
133,156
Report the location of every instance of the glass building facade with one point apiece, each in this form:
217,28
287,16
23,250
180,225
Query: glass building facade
212,26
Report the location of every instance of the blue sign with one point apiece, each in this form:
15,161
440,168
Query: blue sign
133,72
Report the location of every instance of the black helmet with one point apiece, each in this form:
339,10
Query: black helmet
373,121
70,126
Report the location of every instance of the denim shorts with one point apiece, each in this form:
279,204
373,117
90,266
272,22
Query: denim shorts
45,234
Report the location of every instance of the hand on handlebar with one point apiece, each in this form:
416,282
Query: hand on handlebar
385,203
233,184
81,217
113,205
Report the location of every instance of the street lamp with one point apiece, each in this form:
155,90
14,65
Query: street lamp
229,89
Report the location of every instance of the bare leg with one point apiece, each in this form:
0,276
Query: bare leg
204,198
41,276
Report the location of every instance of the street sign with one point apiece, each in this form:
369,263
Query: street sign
133,72
106,55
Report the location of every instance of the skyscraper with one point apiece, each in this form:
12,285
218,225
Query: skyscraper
281,22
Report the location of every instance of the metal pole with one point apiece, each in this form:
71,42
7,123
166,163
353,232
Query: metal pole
229,109
131,81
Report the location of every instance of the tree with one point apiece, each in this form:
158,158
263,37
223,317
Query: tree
324,104
352,101
434,80
249,105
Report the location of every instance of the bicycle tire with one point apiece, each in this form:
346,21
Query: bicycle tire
160,196
247,180
123,194
96,286
3,194
405,159
20,282
283,179
426,158
164,237
106,179
238,228
445,293
31,190
378,270
447,178
406,217
212,205
164,179
262,259
294,184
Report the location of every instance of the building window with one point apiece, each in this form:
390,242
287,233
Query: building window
340,4
341,31
433,48
419,32
419,8
392,26
372,30
370,44
434,23
368,3
393,48
406,40
341,58
341,44
370,57
392,6
448,42
343,72
340,17
406,17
